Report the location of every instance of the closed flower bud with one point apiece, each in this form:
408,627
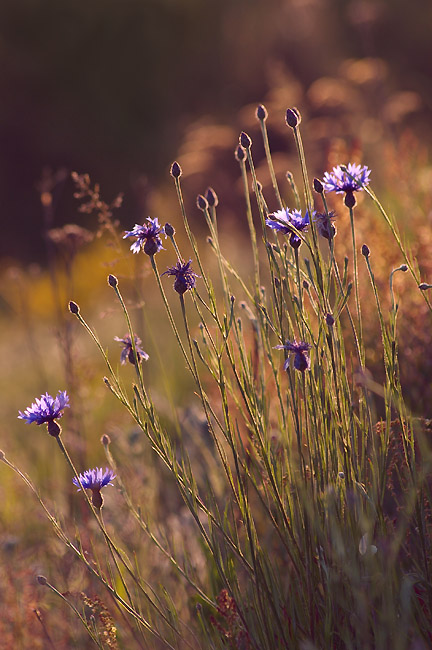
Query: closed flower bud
424,286
112,281
318,186
245,140
176,170
240,154
330,320
261,113
293,117
73,307
212,197
169,230
403,267
105,440
202,202
41,580
365,250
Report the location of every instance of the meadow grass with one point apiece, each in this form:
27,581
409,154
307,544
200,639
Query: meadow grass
289,505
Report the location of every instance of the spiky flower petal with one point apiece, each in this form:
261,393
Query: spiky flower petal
127,353
46,409
94,479
147,237
284,221
350,178
184,276
300,349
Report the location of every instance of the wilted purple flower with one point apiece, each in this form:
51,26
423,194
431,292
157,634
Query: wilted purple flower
300,350
354,179
128,353
94,480
184,276
147,237
284,220
324,224
45,410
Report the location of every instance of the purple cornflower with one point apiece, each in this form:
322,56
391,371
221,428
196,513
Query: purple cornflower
46,410
128,353
94,480
147,237
184,276
284,220
354,179
300,350
324,224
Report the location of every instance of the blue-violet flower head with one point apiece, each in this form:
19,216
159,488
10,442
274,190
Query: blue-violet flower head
324,224
301,357
284,220
354,179
127,353
45,410
147,237
184,276
94,479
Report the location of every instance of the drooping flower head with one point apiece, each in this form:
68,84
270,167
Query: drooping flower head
354,179
147,237
46,410
94,480
301,357
184,276
284,220
127,353
324,224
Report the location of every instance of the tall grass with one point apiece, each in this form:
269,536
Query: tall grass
306,516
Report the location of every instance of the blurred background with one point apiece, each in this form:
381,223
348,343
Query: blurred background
112,88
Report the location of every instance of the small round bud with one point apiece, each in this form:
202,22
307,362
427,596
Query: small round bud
112,281
41,580
341,475
169,230
105,440
330,320
245,140
261,113
73,307
176,170
365,250
318,186
212,197
305,284
350,200
202,202
403,267
293,117
424,286
240,154
232,299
